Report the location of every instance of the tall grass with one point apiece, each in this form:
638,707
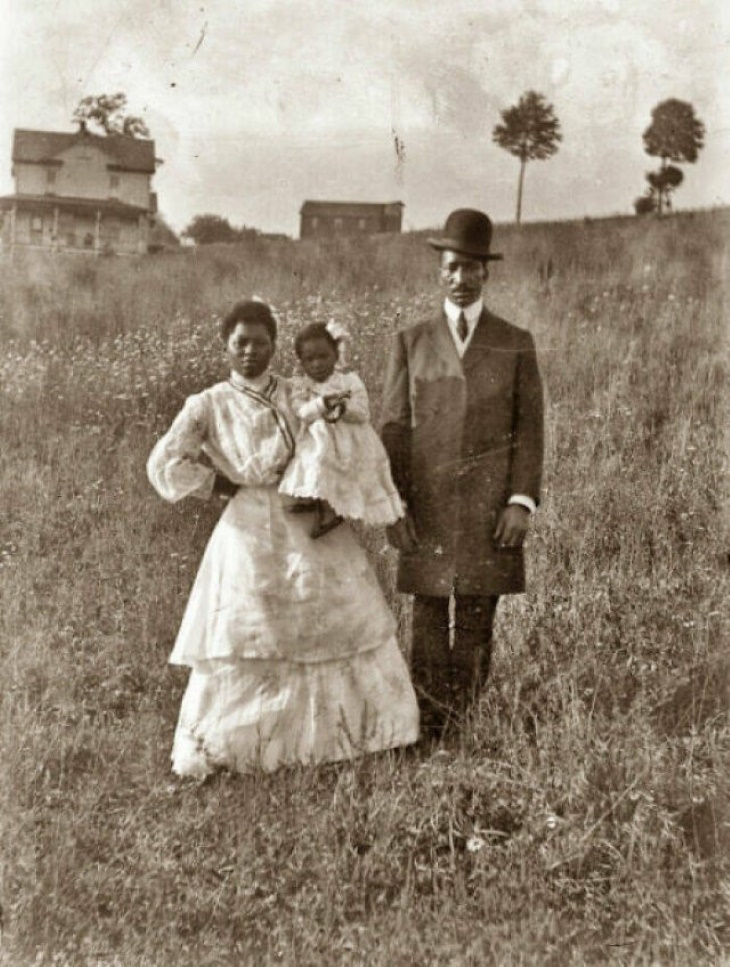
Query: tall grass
581,816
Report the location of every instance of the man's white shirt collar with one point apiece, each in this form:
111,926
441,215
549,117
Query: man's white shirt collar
471,314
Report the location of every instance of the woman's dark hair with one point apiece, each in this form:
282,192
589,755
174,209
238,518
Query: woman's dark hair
250,310
315,330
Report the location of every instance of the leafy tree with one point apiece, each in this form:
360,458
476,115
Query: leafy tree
645,204
207,229
106,111
662,183
675,134
531,132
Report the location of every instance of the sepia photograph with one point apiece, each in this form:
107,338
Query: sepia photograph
364,555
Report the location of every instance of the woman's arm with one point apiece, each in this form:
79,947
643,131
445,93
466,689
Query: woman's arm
175,468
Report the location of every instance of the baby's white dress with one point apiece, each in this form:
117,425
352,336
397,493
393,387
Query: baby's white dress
341,462
290,641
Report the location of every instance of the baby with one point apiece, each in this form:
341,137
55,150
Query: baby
340,468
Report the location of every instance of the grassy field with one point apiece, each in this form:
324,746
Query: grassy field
582,817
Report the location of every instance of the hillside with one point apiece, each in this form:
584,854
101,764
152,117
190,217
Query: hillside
581,818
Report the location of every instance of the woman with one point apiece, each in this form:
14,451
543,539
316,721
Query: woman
291,644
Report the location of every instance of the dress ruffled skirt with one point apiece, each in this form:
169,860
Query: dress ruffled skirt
266,714
292,648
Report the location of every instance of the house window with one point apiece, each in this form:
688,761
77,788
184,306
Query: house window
338,224
50,176
362,224
113,181
314,221
36,228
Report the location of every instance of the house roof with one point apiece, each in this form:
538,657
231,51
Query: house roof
352,208
39,147
108,206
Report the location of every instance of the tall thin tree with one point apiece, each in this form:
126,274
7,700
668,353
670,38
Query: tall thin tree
531,132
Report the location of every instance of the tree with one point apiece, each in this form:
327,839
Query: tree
531,132
206,229
675,134
106,111
662,183
645,204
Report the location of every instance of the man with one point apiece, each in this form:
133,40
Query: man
463,427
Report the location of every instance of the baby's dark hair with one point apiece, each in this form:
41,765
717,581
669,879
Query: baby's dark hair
315,330
250,310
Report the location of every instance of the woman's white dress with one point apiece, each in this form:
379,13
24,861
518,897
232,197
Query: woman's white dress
292,646
343,463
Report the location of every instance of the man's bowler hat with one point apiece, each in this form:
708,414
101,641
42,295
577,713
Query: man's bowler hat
469,232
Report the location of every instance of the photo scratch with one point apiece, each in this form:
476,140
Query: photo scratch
200,39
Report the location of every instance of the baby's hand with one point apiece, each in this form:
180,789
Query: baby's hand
333,400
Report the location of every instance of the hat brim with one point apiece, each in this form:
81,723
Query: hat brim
454,245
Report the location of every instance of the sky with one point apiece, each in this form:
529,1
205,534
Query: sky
257,105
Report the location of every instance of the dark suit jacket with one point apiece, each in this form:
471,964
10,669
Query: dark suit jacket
462,437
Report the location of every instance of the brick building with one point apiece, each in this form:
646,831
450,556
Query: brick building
326,219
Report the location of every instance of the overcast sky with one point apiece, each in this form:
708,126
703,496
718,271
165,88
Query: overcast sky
255,105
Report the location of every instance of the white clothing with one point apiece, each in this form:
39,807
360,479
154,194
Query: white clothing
341,462
291,644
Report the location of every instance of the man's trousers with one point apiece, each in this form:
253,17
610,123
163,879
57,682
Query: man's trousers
448,678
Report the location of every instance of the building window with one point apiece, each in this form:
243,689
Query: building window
362,224
36,228
338,224
314,221
50,176
113,182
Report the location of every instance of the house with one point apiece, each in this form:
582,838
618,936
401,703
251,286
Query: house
325,219
80,192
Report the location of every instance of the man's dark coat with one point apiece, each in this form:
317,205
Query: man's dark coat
463,436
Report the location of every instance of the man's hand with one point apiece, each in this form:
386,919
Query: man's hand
512,526
402,535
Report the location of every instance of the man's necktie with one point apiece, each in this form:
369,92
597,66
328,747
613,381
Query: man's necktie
462,330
